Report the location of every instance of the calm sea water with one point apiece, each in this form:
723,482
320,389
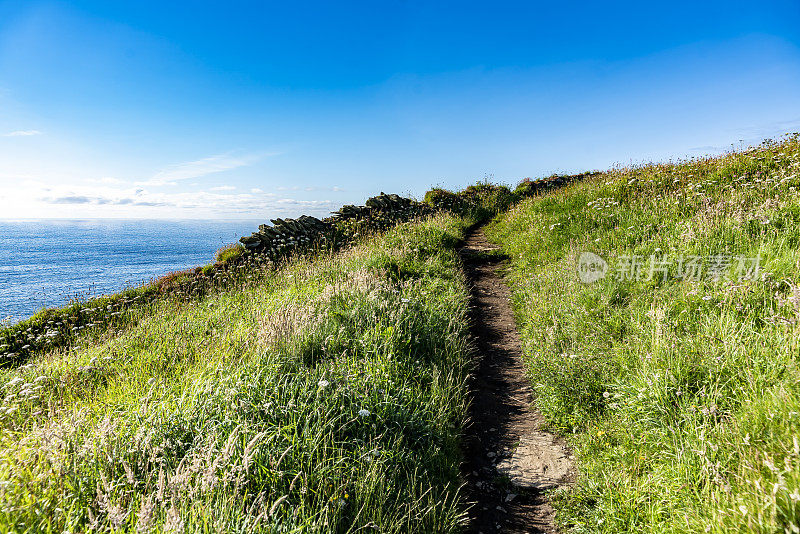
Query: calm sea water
45,263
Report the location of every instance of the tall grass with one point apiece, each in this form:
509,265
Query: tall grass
326,396
681,396
84,320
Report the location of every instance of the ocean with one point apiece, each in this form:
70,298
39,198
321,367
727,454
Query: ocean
46,263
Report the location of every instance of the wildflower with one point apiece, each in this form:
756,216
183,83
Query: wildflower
606,394
323,384
363,413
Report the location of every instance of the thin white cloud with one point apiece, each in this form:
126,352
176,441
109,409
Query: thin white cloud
256,190
770,129
102,201
752,136
202,167
30,198
106,180
223,188
22,133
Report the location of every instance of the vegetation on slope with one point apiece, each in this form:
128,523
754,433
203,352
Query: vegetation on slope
327,395
681,392
86,321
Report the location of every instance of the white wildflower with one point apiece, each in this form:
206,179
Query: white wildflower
363,413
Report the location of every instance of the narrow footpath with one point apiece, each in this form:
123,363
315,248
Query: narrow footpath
509,461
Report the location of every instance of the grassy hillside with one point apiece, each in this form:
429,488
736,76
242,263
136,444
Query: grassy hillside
681,393
326,395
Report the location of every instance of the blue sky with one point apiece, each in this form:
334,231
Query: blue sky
257,109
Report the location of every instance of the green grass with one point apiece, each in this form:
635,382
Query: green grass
324,396
680,397
229,253
83,320
327,393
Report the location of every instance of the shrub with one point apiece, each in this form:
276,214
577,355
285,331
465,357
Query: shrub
229,253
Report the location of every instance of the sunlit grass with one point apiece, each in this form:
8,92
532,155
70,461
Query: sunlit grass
681,397
325,396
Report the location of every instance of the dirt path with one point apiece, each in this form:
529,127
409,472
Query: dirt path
509,461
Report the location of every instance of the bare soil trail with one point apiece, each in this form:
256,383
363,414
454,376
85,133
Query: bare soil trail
509,461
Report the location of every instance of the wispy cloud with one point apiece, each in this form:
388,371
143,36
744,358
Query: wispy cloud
39,199
101,201
752,136
22,133
74,199
223,188
770,129
106,180
308,188
202,167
